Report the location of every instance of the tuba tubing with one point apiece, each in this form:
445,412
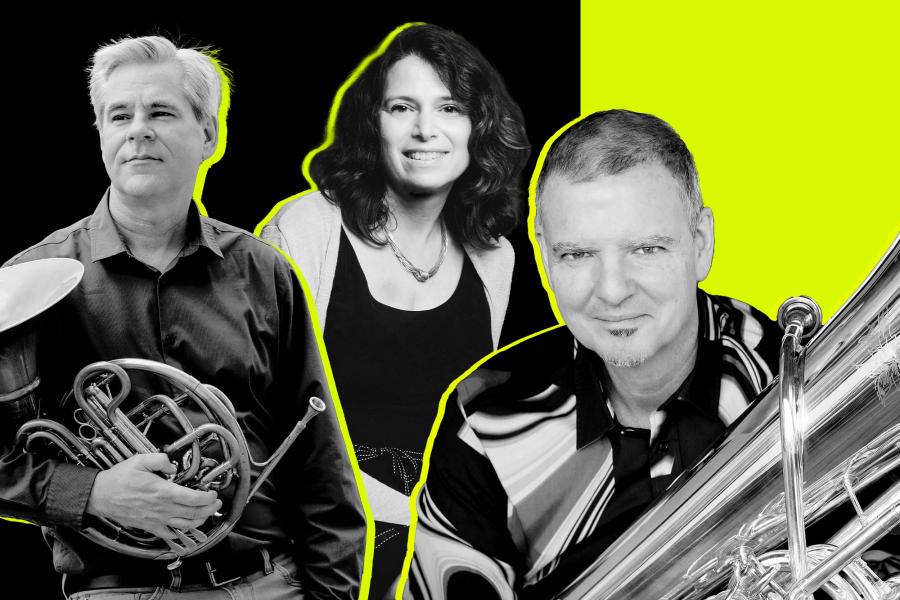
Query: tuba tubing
732,504
881,517
800,318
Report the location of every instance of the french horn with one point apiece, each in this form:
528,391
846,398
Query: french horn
828,427
110,424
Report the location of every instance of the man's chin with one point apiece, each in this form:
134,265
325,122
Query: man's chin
628,361
139,188
617,355
618,348
625,354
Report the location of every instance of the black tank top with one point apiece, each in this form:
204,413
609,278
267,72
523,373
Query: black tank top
391,366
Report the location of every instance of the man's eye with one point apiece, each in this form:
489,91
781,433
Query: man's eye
119,117
648,250
161,114
574,256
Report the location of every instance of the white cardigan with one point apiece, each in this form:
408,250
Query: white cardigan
308,229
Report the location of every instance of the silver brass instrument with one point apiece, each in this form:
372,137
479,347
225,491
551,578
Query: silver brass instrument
821,433
110,425
27,290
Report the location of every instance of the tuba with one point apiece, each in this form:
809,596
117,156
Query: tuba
109,425
828,427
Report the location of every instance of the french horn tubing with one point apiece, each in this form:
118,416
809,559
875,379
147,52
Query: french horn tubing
211,456
828,427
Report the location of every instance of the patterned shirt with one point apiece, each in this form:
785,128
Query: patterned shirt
532,480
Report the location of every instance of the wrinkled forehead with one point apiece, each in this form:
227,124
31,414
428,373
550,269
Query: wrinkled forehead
151,82
629,199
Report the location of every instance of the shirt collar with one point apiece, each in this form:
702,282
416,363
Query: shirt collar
593,418
700,389
106,241
105,238
205,234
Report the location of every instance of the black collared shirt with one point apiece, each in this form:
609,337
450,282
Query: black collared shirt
230,312
533,479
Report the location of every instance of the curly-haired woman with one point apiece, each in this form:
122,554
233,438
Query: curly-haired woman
403,250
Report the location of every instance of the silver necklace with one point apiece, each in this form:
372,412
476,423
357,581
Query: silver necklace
421,275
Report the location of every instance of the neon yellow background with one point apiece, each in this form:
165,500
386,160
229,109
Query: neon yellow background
793,118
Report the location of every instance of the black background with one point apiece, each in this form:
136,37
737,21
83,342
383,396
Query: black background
287,67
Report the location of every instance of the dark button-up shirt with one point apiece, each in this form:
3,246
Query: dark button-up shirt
230,312
532,480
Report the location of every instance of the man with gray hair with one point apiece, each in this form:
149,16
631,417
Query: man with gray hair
533,477
164,282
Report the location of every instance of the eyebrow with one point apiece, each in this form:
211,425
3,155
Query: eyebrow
570,247
116,106
411,99
153,104
653,240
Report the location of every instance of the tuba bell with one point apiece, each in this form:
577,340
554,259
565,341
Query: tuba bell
108,424
828,427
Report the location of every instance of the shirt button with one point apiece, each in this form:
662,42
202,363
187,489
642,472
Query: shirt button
169,339
664,446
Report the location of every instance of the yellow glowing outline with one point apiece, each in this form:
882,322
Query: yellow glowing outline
221,141
221,130
332,119
310,301
342,423
532,214
532,211
329,139
15,520
410,541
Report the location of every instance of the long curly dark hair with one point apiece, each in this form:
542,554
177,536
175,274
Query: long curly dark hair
485,202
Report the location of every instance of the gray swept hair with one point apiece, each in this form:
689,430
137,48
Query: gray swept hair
202,83
612,141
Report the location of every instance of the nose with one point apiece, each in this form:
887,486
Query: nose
140,129
612,281
424,128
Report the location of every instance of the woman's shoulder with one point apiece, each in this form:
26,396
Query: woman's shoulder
305,228
308,210
304,219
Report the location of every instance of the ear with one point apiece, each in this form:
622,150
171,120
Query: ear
210,136
704,244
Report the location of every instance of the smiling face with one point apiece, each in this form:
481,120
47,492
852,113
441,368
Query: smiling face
424,131
151,141
624,265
